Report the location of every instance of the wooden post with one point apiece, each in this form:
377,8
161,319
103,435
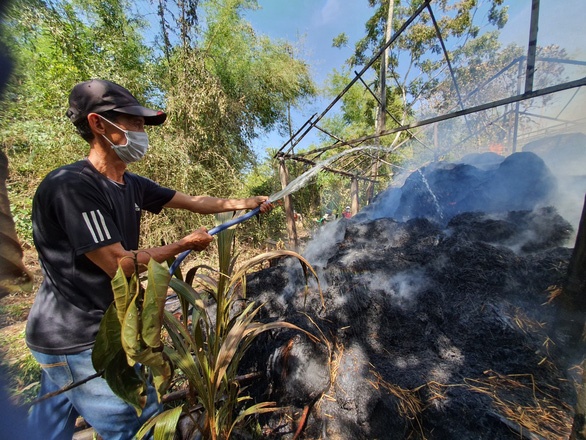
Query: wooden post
291,228
517,106
354,195
381,110
575,286
575,300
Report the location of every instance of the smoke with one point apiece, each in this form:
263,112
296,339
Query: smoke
402,288
324,244
529,180
565,156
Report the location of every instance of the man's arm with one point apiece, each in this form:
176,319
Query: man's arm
212,205
109,257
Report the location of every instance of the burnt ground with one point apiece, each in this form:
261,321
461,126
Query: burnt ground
434,332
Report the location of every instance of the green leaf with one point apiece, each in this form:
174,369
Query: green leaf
197,331
131,329
191,272
159,365
183,345
154,303
121,293
260,408
126,382
185,363
165,425
162,375
227,351
186,291
108,342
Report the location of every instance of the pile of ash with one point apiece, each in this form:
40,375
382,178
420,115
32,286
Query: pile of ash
441,317
427,332
482,182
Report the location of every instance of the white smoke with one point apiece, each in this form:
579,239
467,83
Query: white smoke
325,243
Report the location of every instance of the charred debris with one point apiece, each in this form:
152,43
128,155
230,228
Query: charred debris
442,317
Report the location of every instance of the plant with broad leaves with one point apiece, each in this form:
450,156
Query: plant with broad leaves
206,350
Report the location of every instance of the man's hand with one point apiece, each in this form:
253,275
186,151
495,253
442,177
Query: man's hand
198,240
109,257
263,201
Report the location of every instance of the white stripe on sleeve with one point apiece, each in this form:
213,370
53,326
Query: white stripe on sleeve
97,225
106,231
89,226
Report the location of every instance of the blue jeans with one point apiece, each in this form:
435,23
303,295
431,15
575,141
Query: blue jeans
108,414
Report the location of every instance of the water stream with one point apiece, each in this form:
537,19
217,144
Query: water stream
435,200
302,180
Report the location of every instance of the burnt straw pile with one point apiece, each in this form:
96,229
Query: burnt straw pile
446,325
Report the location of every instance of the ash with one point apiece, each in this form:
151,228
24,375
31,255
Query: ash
450,330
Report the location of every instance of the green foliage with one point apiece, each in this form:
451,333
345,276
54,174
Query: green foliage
261,76
411,87
220,82
476,62
341,40
264,180
130,333
206,350
56,45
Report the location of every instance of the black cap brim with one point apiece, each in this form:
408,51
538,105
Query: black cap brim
151,117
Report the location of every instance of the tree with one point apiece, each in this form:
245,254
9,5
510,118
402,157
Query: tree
221,84
56,44
487,71
405,77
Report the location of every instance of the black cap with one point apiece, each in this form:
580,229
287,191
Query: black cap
98,95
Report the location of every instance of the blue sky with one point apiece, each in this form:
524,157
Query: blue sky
314,24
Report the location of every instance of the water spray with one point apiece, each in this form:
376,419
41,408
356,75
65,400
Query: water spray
295,185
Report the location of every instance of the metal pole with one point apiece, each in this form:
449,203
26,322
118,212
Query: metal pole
579,427
391,115
293,137
517,105
575,304
532,50
535,94
371,62
447,57
331,170
575,287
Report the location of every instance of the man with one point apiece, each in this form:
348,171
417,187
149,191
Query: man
329,216
347,212
86,219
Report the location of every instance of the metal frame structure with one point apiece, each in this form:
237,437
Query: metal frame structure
356,166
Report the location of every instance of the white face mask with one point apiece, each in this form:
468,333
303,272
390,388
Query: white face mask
137,143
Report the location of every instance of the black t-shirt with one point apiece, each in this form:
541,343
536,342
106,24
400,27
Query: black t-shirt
76,209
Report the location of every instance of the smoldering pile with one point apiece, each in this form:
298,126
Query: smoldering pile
429,330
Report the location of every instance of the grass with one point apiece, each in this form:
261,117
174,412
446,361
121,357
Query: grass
13,313
21,370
